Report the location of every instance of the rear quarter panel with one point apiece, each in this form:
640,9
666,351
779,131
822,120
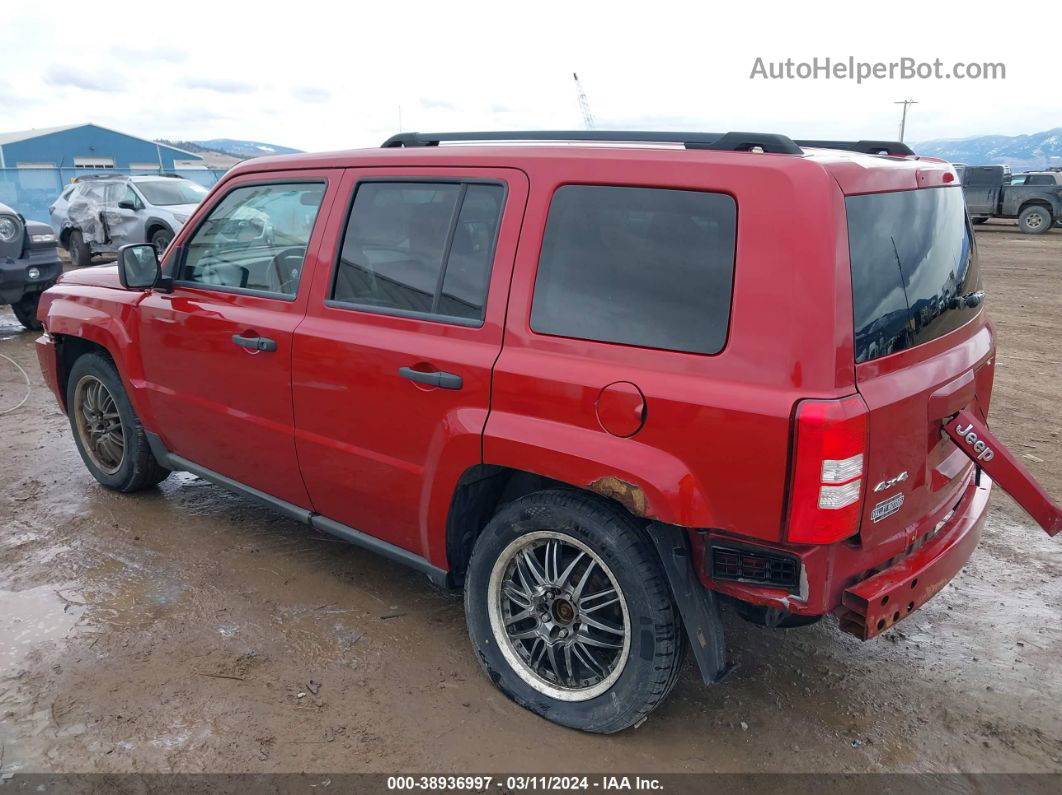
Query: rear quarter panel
713,451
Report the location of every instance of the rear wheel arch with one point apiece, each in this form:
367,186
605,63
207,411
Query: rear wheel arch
484,489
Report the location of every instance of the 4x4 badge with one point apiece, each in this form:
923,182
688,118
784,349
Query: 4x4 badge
888,484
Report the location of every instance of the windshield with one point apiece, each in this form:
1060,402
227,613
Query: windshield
914,268
165,192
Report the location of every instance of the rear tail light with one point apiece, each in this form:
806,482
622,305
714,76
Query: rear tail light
825,495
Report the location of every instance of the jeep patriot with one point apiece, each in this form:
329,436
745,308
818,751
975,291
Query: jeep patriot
604,386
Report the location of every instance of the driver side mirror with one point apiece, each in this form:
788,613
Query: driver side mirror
138,267
127,204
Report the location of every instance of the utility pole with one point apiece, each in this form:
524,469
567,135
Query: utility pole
903,119
584,103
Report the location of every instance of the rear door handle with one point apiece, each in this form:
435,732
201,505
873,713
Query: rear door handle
437,378
255,343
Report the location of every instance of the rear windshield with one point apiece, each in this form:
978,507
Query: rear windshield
914,268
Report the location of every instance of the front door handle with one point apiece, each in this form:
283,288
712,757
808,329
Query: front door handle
437,378
255,343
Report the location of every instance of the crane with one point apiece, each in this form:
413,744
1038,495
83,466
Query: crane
584,103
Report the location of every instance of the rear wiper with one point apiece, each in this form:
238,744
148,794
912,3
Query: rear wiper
969,300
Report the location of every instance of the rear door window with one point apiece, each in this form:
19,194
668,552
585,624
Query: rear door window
637,266
914,268
420,248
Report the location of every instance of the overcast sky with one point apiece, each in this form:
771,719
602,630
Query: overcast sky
317,75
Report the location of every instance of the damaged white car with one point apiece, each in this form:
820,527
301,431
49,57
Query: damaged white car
100,213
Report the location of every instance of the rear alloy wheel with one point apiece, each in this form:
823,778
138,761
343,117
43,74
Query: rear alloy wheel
161,238
1035,220
561,615
25,310
108,434
570,613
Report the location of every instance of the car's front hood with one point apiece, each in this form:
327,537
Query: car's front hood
98,276
183,210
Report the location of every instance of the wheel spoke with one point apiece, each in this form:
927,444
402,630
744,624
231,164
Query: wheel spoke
577,594
587,659
551,653
587,640
536,658
585,603
515,594
521,616
526,634
527,557
552,562
604,626
562,580
568,663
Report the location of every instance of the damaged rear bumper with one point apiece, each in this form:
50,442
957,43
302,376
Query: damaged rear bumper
881,600
853,580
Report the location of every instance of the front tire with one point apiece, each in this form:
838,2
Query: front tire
1035,220
78,249
570,614
25,310
107,432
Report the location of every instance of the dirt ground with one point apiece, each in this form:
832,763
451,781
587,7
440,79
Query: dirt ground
188,630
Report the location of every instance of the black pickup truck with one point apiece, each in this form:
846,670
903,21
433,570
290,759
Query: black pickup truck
990,194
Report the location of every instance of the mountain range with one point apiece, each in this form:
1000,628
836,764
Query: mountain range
1020,152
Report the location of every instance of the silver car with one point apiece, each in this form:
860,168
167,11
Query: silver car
102,212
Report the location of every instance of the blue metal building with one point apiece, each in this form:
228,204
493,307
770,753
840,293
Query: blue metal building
36,165
89,147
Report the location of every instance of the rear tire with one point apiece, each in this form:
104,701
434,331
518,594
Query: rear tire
107,432
635,640
78,249
978,221
161,238
25,310
1035,220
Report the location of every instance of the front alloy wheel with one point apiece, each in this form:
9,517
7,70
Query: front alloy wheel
99,425
560,616
107,432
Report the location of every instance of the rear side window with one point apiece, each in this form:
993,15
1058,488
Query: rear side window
1040,179
420,247
913,267
638,266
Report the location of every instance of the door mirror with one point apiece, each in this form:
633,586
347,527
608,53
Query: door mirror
127,204
138,266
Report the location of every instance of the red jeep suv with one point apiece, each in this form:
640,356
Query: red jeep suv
602,385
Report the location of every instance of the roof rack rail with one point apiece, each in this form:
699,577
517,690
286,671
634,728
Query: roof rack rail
727,142
894,148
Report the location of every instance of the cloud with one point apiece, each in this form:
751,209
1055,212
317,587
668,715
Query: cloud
310,94
102,80
220,85
136,54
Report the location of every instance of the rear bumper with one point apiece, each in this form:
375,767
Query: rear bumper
876,603
866,586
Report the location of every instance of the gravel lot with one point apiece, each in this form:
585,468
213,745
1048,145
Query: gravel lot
188,630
